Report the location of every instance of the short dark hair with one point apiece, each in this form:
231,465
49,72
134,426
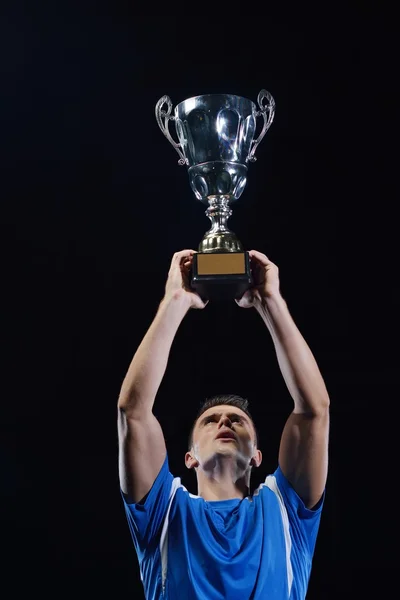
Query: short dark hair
231,400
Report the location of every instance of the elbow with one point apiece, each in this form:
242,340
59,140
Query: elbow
127,400
322,407
317,406
317,400
122,404
132,407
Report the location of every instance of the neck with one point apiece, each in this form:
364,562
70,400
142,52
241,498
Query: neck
212,486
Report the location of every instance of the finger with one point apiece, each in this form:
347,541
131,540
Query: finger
178,256
262,258
245,299
199,302
187,262
243,303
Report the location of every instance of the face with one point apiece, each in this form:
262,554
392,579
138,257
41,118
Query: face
220,420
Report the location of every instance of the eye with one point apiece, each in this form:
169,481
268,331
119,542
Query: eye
234,418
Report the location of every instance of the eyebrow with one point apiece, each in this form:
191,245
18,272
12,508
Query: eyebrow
219,415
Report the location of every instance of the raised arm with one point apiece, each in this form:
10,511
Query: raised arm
303,453
142,448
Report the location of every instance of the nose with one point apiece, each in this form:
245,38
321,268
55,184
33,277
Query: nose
224,421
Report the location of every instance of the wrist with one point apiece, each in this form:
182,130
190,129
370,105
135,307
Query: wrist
177,300
271,301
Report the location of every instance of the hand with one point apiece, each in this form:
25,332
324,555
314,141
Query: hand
266,280
178,279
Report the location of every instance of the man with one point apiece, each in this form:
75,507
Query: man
222,542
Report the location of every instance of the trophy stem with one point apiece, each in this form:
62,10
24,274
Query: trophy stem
219,238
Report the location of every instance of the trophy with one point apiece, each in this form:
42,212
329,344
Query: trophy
216,142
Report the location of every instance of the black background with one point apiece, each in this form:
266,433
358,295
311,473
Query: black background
94,205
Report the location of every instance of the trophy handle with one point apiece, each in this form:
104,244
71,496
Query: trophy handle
166,115
267,111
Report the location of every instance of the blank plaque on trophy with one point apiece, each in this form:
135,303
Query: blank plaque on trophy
220,276
216,135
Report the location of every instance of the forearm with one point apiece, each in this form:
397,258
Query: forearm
145,373
296,361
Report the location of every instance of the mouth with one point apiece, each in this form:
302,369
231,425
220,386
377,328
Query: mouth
226,437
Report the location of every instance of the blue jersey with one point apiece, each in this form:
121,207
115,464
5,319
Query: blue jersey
254,548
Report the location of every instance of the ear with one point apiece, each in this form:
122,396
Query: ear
256,459
190,461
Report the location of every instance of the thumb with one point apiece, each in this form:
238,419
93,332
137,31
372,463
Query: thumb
200,302
246,300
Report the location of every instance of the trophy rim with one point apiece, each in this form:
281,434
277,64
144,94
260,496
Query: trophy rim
216,94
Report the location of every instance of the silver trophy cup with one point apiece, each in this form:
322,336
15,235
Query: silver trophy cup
216,134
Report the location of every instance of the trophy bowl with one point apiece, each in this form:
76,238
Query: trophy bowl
216,134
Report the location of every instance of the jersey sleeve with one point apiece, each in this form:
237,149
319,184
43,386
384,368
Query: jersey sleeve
304,521
145,518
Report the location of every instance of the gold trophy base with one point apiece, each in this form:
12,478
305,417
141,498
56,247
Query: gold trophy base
221,275
220,268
